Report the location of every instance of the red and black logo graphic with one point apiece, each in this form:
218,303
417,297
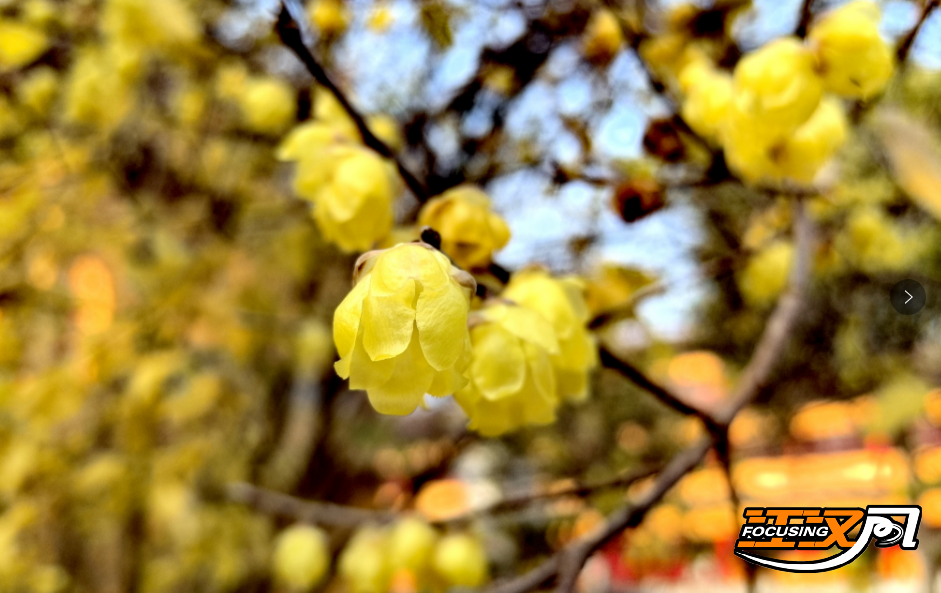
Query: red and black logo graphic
823,528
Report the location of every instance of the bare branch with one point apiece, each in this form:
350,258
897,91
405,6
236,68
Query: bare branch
293,34
322,513
568,562
806,16
906,43
637,377
782,321
334,515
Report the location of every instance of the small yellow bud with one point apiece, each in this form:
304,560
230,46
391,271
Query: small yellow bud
708,95
411,544
269,105
460,560
363,563
20,44
765,275
854,59
301,557
402,331
603,37
38,90
470,230
386,129
329,17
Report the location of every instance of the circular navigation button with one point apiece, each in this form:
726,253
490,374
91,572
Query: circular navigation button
908,297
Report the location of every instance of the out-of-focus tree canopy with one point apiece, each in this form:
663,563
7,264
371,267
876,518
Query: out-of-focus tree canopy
194,396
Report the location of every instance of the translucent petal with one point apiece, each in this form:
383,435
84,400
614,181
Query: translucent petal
442,323
499,231
347,316
499,366
409,382
541,373
408,261
446,382
530,326
366,373
388,322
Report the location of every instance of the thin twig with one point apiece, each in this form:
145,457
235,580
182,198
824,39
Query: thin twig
906,43
322,513
294,35
566,564
335,515
637,377
806,16
780,325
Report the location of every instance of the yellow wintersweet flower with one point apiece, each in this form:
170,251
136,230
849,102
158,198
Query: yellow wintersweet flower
329,17
708,95
562,302
765,274
799,156
144,23
812,145
20,44
402,331
512,382
268,104
94,75
602,37
775,90
38,89
353,208
854,59
301,557
470,230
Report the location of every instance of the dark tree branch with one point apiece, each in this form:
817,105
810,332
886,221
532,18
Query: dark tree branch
782,321
566,564
637,377
294,35
906,43
335,515
806,16
322,513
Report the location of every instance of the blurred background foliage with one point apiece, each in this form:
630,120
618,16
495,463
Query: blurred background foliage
166,300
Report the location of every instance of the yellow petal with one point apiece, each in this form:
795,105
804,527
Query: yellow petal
442,323
500,231
409,382
408,261
388,322
364,372
346,318
499,366
541,372
529,326
446,383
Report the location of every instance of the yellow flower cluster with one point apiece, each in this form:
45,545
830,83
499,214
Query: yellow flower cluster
773,116
402,331
351,188
470,230
412,553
